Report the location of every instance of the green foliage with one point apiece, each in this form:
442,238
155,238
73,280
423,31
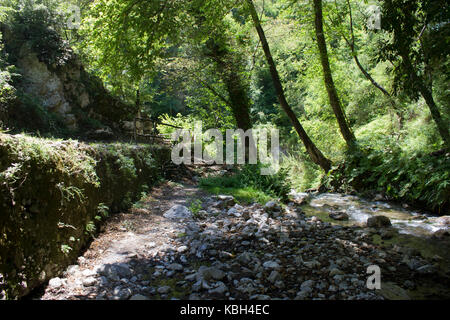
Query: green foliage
415,178
249,185
195,206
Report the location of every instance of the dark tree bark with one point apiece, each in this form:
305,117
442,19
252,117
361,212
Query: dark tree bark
229,71
315,154
427,95
328,78
351,43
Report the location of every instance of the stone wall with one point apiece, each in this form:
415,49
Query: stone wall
54,194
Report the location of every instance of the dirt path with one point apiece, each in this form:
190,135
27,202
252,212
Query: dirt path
228,251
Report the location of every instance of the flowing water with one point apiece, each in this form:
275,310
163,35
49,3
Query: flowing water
359,210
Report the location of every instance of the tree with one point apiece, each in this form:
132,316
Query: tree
328,78
315,154
417,48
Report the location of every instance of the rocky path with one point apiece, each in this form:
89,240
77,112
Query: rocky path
217,249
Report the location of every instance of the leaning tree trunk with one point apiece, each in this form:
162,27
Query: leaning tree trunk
329,83
315,154
428,97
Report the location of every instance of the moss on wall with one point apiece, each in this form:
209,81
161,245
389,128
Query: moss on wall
53,196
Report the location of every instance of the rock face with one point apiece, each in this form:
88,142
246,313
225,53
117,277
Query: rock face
63,87
378,222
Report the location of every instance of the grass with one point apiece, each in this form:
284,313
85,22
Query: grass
244,195
247,185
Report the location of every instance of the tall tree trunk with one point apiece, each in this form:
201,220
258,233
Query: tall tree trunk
434,110
229,71
328,78
367,75
315,154
427,95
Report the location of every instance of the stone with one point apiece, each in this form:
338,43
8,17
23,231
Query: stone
272,206
89,282
121,294
335,271
225,201
426,269
219,291
244,258
182,249
441,234
139,297
391,291
378,222
208,273
175,267
178,212
274,276
164,289
341,216
271,265
234,212
55,283
443,221
387,234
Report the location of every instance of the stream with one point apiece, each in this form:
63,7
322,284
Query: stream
421,224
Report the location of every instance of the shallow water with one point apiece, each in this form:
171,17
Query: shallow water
359,210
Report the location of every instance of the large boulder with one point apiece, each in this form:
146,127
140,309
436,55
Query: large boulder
378,222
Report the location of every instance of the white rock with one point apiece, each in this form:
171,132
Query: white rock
55,283
178,212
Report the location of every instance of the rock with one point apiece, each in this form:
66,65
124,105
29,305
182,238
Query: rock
419,217
105,133
88,273
271,265
208,273
244,258
341,216
225,201
234,212
260,297
164,289
219,291
121,294
307,284
443,221
139,297
55,283
441,234
312,264
175,267
413,264
272,206
182,249
378,222
426,269
335,271
114,271
89,282
274,276
391,291
387,234
178,212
